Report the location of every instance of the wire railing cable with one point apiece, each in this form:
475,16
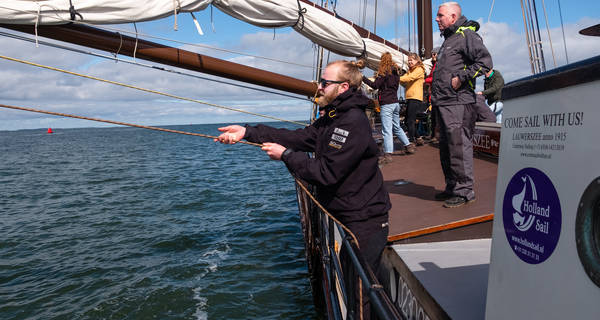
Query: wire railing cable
149,90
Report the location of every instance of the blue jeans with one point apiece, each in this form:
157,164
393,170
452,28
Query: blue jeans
390,123
497,109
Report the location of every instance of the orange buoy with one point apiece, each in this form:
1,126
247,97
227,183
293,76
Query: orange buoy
50,130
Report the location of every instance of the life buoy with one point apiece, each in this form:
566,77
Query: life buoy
587,230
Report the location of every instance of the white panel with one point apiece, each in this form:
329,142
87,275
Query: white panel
555,132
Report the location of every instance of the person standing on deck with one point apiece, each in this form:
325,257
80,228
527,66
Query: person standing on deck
344,168
434,110
386,82
413,81
492,90
461,59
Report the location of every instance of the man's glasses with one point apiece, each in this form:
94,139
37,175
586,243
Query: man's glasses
324,83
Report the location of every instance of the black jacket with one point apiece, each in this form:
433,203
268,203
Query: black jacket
493,87
462,55
344,169
387,86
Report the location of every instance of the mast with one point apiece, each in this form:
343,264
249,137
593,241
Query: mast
117,43
425,31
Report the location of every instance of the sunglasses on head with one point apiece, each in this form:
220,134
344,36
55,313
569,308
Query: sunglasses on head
324,83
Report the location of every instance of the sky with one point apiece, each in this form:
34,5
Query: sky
26,86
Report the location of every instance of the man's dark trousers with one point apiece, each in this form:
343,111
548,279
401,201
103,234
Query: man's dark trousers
456,148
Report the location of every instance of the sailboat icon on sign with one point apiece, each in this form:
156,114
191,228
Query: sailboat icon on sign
517,203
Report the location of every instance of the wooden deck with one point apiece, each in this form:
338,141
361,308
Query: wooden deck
414,210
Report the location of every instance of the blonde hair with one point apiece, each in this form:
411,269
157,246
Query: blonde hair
415,56
349,71
386,64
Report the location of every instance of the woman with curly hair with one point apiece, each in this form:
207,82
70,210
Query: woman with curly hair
412,81
387,82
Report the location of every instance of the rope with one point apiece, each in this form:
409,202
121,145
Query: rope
74,12
298,182
148,90
119,123
491,9
548,30
325,211
562,26
360,291
136,41
301,12
184,133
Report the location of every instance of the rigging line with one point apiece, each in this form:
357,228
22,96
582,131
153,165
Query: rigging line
422,29
537,29
527,38
492,9
119,123
415,17
375,19
562,26
532,36
408,22
364,22
548,30
62,47
149,90
105,27
396,23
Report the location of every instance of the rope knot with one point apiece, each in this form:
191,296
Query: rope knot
74,12
301,12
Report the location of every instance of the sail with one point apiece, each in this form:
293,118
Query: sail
51,12
313,22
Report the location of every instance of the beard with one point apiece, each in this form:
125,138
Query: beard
325,99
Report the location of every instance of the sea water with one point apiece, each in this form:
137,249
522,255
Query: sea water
129,223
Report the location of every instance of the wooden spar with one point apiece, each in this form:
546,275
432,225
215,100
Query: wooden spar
116,43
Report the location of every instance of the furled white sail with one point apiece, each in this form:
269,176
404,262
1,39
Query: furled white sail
265,13
376,49
332,33
315,24
93,11
318,26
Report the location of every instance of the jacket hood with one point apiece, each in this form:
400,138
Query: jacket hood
471,23
352,98
461,23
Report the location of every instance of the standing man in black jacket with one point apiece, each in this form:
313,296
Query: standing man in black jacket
344,169
461,59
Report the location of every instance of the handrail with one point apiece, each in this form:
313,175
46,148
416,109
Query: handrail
320,238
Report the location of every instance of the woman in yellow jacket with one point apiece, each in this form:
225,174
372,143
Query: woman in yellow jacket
412,81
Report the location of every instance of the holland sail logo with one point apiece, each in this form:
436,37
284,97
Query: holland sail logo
532,215
517,203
